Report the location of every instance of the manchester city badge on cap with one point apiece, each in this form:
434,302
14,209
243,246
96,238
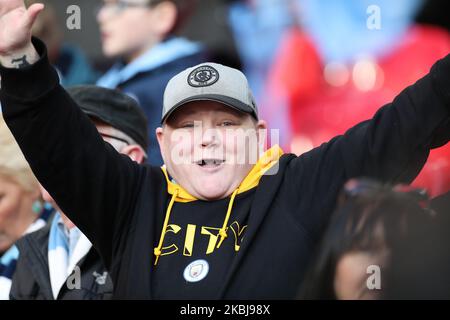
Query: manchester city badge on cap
203,76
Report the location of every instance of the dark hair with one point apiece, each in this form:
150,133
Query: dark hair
355,226
420,261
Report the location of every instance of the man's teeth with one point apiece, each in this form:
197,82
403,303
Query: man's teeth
210,162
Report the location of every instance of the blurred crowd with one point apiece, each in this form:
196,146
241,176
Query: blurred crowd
316,68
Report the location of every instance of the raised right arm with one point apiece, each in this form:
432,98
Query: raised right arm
92,183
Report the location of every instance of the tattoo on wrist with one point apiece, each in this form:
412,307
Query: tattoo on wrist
20,62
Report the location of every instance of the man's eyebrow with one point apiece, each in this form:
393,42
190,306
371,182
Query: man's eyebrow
192,113
179,113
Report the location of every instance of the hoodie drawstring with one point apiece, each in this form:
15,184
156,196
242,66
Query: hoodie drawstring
223,231
157,250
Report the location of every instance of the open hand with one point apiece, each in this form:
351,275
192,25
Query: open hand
16,22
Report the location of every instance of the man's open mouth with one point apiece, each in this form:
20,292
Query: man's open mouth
210,163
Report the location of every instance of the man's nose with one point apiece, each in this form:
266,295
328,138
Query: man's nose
210,137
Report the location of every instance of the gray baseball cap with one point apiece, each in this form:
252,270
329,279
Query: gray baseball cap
209,81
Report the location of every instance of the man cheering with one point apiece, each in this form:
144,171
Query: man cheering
207,225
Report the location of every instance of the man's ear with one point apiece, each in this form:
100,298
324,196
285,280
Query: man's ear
135,152
165,15
159,136
261,124
261,127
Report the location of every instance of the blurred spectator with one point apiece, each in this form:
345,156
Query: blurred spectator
421,261
370,219
48,257
259,27
21,208
141,34
71,63
327,68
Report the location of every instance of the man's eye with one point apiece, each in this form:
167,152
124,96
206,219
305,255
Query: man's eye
227,123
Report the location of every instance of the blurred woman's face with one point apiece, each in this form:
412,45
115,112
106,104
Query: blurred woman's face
354,276
15,212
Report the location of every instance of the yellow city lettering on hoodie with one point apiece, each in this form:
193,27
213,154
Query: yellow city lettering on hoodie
172,228
238,233
210,232
189,240
213,237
